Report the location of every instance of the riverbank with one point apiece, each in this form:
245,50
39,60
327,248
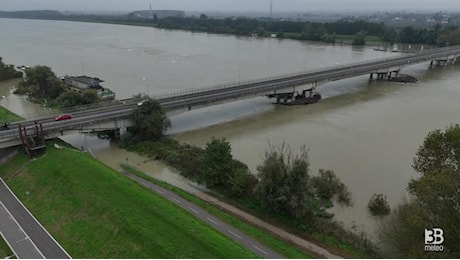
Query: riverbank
189,161
109,216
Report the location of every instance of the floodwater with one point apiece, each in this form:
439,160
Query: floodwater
367,132
19,104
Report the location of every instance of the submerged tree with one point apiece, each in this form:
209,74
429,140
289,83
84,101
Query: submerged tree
286,187
328,185
284,183
378,205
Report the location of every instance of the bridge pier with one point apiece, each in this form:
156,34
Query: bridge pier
120,131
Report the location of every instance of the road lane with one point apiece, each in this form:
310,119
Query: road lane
16,238
34,231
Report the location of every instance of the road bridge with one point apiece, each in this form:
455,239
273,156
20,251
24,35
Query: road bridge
116,115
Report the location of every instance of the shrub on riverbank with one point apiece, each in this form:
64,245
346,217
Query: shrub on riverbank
8,71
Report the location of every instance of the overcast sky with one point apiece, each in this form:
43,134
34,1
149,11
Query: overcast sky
233,5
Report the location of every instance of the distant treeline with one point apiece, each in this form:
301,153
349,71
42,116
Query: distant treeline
327,32
331,32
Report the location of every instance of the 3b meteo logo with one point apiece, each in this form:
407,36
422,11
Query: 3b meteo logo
433,240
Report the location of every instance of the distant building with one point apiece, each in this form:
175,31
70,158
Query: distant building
149,14
81,83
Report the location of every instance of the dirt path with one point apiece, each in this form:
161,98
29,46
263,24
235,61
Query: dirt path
300,242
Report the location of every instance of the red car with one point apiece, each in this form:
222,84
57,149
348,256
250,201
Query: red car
63,117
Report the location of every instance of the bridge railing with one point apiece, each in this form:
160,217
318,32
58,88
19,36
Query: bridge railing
372,62
255,81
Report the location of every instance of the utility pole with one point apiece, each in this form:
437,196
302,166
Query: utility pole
151,16
271,9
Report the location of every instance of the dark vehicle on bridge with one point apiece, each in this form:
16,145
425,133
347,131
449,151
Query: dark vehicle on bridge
63,117
295,98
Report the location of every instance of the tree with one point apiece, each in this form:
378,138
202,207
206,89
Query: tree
89,97
220,171
217,163
150,120
435,198
327,185
407,35
74,98
284,183
70,99
401,235
390,35
8,71
359,39
378,205
286,187
41,83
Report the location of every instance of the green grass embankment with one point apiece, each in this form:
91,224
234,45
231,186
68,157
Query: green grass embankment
8,116
269,240
95,212
5,251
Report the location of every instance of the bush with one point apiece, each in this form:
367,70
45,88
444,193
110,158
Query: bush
327,184
378,205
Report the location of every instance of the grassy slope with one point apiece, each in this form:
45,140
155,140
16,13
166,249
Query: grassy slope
7,116
94,212
269,240
4,249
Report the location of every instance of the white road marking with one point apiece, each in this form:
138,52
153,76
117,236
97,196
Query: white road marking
260,249
236,235
176,200
213,221
20,240
192,209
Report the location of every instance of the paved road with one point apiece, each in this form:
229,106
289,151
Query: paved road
16,238
30,240
202,214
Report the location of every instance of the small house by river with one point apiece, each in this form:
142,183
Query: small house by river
81,83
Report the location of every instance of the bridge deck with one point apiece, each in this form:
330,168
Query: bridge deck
119,112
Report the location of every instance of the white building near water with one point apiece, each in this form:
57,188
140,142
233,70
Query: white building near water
84,83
